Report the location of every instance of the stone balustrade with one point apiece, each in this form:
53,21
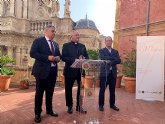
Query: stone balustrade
39,25
24,72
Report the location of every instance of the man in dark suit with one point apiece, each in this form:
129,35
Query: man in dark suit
70,52
108,73
46,54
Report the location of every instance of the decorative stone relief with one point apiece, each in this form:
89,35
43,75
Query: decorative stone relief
5,23
6,7
67,9
55,8
1,7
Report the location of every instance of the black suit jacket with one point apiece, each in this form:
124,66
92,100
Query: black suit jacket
113,57
70,52
40,51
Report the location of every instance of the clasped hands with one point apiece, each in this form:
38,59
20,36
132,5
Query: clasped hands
54,58
107,61
80,57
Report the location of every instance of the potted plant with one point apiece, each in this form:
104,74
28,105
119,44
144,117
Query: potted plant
93,54
118,79
24,83
62,78
129,71
6,72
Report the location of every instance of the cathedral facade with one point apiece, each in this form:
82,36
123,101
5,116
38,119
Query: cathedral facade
21,21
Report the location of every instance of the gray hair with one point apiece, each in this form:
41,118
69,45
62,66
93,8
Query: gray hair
48,27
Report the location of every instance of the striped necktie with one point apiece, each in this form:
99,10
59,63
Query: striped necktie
52,47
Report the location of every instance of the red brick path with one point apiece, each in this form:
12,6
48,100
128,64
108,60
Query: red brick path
16,107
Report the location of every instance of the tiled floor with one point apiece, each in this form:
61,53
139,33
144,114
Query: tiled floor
16,107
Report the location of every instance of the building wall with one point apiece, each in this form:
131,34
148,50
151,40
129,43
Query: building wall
132,13
131,21
157,10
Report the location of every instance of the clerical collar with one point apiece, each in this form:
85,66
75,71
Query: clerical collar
75,43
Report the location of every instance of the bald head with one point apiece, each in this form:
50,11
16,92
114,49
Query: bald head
75,36
108,42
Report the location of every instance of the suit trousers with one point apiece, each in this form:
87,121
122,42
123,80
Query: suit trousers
69,81
104,81
46,85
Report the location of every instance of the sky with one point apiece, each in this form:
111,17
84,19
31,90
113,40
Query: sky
102,12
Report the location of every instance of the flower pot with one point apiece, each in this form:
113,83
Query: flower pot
24,84
5,82
130,84
62,80
97,81
89,81
82,80
118,80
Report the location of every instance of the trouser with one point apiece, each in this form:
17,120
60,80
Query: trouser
46,85
104,81
69,82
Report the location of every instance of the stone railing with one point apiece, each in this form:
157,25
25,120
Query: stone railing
24,72
37,26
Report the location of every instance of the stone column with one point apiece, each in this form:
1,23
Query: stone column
12,7
23,52
10,51
18,56
25,9
1,7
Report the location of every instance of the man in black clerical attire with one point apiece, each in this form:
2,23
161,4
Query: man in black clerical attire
70,52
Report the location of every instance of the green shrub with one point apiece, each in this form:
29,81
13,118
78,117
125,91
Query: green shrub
4,61
93,54
129,64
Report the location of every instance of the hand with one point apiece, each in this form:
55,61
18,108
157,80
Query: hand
51,58
81,57
57,58
108,61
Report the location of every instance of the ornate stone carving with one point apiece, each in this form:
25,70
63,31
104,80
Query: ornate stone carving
5,23
55,8
1,7
67,9
47,2
6,7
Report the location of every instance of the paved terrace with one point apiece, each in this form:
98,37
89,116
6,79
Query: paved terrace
16,107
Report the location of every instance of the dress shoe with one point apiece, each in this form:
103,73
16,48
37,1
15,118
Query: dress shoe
114,108
101,108
52,114
70,110
80,109
37,118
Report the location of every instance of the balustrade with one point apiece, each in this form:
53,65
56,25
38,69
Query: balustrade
39,25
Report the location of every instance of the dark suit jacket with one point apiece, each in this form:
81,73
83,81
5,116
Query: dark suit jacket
70,52
40,51
113,57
